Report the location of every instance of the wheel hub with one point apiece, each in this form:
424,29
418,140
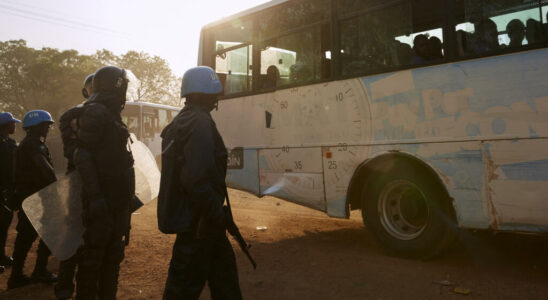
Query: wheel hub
403,210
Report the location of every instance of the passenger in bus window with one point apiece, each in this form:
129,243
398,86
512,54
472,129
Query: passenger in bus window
486,37
404,53
272,77
534,32
516,33
421,49
463,38
436,49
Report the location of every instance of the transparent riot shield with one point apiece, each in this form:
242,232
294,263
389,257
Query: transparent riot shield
56,211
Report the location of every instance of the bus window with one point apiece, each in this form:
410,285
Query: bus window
296,56
233,57
235,69
382,36
150,122
292,15
489,25
131,117
172,115
164,118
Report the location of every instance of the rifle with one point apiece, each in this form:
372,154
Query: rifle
134,205
235,232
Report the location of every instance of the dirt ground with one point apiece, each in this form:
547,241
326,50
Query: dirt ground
303,254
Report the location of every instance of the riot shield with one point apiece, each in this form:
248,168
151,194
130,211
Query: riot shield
56,211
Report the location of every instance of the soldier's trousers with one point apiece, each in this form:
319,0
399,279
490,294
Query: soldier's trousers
26,235
65,281
5,220
102,253
195,261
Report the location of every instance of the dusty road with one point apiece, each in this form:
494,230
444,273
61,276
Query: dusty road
303,254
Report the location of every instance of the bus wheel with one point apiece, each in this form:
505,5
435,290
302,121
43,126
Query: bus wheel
409,214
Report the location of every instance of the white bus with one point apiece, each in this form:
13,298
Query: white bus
427,115
146,121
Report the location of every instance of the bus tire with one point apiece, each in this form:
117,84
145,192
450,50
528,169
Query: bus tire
409,213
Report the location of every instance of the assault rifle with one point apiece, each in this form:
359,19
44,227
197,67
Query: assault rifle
235,232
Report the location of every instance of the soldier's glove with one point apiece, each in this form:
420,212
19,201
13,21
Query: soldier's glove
212,226
97,208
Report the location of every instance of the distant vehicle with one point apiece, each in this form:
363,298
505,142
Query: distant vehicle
425,138
146,121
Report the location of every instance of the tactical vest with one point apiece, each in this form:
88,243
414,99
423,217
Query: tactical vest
113,157
28,178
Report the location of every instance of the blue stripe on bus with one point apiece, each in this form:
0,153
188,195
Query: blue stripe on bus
526,171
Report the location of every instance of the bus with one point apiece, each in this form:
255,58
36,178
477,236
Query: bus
427,115
147,120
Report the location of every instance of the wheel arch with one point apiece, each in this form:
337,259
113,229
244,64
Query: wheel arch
383,162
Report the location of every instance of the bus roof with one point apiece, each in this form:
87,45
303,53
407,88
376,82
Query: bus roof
156,105
245,13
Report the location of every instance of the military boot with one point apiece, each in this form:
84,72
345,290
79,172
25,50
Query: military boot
6,261
17,281
43,276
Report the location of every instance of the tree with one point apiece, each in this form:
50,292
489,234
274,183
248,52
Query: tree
157,82
51,79
41,79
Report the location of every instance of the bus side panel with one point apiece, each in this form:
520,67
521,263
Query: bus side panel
293,174
518,183
241,121
243,170
492,98
339,164
460,166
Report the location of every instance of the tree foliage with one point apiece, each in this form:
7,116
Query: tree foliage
52,79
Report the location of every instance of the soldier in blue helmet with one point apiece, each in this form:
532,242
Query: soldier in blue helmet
7,148
33,171
192,193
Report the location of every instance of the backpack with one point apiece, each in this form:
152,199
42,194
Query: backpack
68,125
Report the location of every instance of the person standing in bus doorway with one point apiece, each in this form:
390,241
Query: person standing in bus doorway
105,164
33,172
192,193
68,125
7,148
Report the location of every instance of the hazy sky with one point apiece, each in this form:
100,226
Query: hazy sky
167,28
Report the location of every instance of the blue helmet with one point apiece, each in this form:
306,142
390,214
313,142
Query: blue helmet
6,118
35,117
200,80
